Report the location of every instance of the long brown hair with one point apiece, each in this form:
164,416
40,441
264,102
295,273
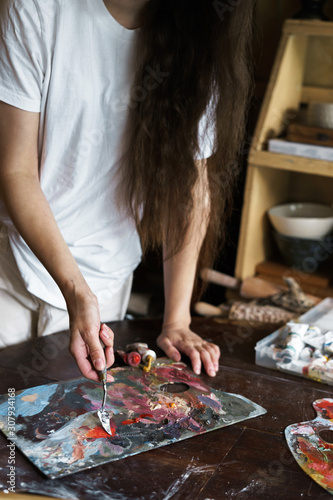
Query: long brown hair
189,53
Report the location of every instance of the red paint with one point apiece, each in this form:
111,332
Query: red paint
136,419
130,421
132,358
99,432
318,461
327,406
311,452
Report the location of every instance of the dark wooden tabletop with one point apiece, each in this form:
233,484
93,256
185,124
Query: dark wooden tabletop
243,461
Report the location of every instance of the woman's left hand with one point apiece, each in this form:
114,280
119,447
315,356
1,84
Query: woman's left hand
176,339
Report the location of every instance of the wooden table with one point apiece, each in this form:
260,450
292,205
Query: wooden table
246,460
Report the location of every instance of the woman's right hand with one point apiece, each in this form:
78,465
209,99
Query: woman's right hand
86,332
33,218
31,214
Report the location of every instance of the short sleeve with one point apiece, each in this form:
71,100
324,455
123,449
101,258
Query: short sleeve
206,132
21,55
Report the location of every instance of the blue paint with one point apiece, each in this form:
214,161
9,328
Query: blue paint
27,409
210,402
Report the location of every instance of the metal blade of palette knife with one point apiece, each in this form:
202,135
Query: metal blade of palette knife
103,414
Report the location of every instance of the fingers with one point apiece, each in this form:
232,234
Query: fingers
210,356
88,352
208,362
87,334
170,350
95,349
107,336
214,353
205,354
194,355
79,351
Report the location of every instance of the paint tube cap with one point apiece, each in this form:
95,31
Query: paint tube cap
314,329
306,353
133,358
288,354
297,328
149,352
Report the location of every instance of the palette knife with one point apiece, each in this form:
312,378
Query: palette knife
103,414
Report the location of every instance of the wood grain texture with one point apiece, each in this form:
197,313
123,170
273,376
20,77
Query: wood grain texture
278,270
310,135
274,178
247,460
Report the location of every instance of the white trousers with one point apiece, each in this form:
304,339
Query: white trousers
24,316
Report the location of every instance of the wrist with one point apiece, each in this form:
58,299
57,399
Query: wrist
176,322
76,290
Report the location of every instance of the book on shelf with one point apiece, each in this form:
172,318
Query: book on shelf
298,132
300,149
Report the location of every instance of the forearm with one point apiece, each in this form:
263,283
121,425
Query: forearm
34,220
24,199
179,275
180,269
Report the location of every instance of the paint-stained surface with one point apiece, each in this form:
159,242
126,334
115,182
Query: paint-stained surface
311,443
57,426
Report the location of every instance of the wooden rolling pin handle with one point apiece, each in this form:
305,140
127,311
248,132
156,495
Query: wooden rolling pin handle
219,278
205,309
253,288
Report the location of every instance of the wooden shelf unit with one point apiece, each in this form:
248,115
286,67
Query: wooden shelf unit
274,178
292,163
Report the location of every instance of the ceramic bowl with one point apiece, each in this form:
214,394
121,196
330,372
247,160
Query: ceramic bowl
302,220
304,254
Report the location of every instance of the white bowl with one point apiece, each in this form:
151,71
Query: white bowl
302,220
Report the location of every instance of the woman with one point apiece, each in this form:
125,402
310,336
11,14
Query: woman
109,110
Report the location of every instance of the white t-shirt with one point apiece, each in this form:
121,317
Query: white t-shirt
70,60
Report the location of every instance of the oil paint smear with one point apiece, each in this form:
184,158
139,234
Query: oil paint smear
58,430
311,451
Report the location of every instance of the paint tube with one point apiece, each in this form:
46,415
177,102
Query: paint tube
148,356
307,353
142,349
132,358
314,337
328,343
295,366
329,364
314,330
273,351
318,355
319,371
294,342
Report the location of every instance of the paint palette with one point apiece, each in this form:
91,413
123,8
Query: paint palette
311,443
57,426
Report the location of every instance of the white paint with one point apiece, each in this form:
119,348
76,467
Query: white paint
178,483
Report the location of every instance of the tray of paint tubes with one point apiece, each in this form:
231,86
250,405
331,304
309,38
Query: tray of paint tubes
304,346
